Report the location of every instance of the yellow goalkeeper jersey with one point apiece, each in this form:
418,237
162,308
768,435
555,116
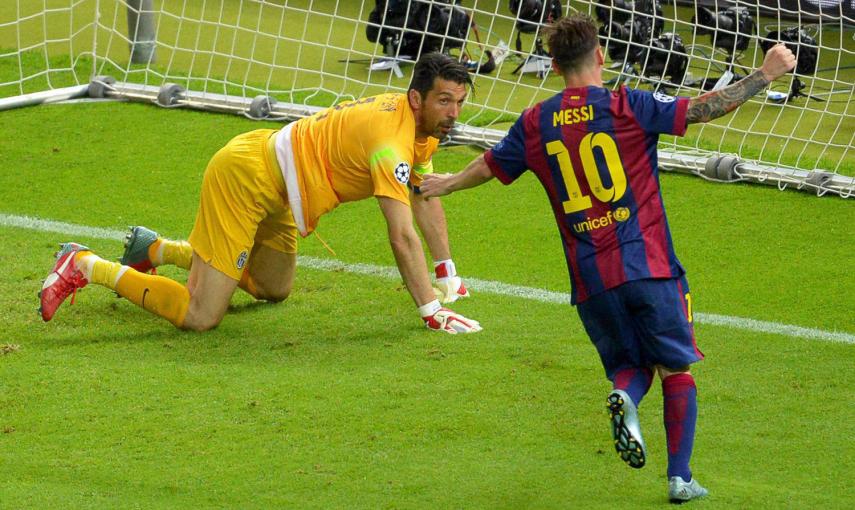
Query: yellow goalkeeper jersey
358,149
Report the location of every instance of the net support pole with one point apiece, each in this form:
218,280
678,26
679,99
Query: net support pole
711,166
47,96
141,31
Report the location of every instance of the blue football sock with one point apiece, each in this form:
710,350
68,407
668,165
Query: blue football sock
635,382
681,412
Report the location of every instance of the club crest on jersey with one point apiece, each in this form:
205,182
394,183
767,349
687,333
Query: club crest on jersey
241,260
663,98
402,172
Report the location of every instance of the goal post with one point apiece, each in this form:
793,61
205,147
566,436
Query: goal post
142,29
284,59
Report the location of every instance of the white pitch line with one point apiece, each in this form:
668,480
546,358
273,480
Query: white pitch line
71,230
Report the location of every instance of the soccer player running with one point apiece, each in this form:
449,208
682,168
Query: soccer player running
594,152
267,186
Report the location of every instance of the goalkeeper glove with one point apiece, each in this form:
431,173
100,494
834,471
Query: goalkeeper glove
449,287
438,318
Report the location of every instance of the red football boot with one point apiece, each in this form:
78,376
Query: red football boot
63,280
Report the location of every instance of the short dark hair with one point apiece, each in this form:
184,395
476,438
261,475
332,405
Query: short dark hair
438,65
571,39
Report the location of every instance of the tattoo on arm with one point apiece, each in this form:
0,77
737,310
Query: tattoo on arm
713,105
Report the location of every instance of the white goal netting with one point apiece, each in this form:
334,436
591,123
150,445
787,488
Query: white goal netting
285,58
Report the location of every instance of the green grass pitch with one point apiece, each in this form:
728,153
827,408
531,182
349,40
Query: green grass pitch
339,398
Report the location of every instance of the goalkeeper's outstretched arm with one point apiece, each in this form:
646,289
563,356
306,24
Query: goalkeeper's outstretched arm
407,248
430,217
477,172
712,105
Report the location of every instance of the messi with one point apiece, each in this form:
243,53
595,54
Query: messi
573,115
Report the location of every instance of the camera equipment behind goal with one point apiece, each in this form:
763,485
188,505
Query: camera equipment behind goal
408,28
531,15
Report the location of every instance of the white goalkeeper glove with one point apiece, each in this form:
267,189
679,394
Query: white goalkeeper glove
443,319
449,290
449,287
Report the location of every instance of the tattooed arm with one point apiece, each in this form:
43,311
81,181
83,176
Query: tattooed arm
712,105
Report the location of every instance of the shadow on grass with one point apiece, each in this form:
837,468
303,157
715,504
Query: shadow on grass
241,308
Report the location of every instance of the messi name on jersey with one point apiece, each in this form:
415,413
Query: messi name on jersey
573,115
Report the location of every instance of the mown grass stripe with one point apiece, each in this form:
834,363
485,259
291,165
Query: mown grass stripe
489,286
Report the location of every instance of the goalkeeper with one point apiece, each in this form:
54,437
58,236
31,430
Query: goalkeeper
266,187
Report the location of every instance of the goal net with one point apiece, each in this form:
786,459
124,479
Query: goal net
287,58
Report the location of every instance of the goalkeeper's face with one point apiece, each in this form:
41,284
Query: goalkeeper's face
437,112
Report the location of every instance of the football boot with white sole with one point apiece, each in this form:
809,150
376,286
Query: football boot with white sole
680,491
63,280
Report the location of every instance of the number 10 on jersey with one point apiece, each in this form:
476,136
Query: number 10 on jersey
577,201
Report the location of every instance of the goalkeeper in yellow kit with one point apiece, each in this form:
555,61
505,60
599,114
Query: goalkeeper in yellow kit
266,187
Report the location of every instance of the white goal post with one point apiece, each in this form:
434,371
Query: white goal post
283,59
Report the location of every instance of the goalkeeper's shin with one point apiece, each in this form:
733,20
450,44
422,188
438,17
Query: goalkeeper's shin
157,294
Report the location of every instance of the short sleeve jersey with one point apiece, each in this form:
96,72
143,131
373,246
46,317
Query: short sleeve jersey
358,149
594,152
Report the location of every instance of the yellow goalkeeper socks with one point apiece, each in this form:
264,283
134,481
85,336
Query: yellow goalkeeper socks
165,251
157,294
97,270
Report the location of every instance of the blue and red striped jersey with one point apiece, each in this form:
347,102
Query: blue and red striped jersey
594,152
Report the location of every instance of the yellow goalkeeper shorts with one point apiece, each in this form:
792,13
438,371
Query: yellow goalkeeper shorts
243,202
